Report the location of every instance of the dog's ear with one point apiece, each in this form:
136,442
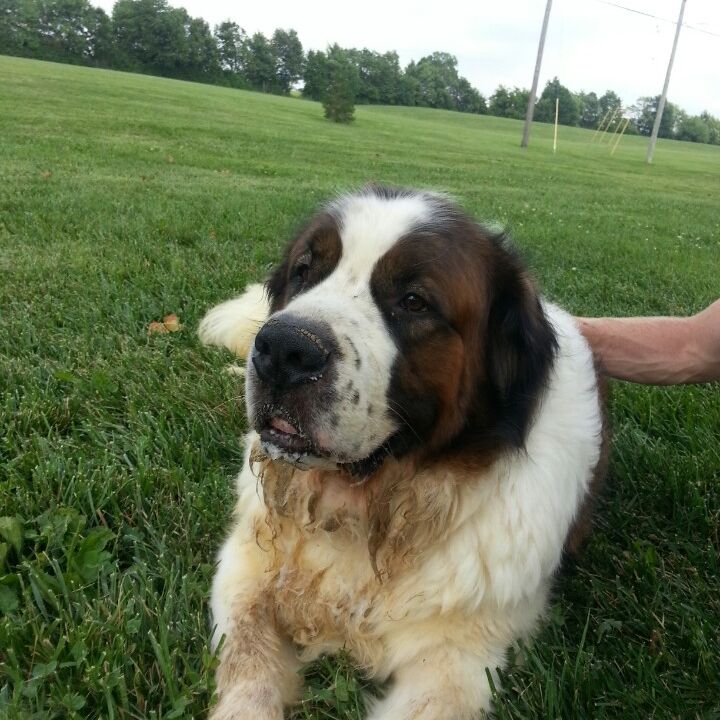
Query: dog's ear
276,284
520,345
310,256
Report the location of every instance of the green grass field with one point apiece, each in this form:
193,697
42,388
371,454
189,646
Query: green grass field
124,198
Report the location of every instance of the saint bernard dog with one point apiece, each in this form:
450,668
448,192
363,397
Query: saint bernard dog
427,438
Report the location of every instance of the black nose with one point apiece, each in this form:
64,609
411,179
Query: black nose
287,354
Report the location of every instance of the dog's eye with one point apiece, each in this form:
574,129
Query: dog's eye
413,303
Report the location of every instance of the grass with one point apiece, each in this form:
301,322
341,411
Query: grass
124,198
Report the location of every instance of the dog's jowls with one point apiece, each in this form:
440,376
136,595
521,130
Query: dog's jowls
426,437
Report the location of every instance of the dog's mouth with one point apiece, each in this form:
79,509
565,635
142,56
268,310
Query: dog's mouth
284,439
286,436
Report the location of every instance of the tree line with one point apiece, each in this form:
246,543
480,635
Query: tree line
150,36
587,110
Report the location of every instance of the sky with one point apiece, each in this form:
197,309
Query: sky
590,45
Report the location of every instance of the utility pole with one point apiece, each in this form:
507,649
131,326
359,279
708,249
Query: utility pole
536,76
663,97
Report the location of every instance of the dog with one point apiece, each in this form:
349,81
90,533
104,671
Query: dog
427,439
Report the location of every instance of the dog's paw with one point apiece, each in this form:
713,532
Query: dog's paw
248,701
234,323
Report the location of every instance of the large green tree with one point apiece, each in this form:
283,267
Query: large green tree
338,98
229,40
150,36
259,61
589,109
379,76
693,129
646,110
62,30
436,77
609,101
289,59
468,99
713,125
203,59
315,77
509,103
568,112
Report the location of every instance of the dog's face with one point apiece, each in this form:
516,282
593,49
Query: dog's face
398,325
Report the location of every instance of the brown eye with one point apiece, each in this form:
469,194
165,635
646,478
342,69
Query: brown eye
413,303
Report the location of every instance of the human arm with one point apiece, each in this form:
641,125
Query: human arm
658,350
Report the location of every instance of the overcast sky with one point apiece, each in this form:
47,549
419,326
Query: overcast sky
590,45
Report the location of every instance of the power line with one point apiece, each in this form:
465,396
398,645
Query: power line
656,17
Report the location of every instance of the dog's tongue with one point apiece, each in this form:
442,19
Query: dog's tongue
283,426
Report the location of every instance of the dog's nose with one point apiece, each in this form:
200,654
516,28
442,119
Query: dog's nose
289,353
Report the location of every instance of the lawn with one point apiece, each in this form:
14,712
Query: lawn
124,198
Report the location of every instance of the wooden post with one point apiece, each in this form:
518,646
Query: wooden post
663,97
536,76
557,108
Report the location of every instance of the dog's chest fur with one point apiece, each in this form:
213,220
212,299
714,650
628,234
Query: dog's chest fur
337,578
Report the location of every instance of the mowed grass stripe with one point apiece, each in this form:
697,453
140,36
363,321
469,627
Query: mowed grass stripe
124,198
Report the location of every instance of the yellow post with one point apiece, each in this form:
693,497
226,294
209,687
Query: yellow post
617,142
601,125
607,127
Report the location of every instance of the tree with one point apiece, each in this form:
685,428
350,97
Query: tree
315,76
379,76
468,99
150,36
500,102
289,58
693,129
713,125
609,101
589,109
63,30
343,80
103,48
646,109
518,103
259,61
568,113
509,103
229,40
203,60
437,77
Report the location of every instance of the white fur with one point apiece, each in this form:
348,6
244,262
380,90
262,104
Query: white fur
234,323
456,611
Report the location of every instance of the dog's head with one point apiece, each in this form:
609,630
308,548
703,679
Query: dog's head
397,325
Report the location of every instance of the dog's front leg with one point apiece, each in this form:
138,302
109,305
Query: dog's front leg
257,675
443,683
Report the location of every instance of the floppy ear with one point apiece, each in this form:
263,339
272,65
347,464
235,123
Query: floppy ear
520,346
276,284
